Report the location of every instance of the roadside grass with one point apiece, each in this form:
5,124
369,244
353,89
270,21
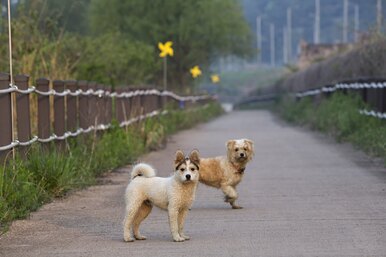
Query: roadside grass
339,116
47,172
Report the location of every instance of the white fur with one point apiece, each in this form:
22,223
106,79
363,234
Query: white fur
175,194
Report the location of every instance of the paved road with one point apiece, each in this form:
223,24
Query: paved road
303,194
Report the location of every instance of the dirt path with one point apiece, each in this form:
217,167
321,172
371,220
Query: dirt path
303,194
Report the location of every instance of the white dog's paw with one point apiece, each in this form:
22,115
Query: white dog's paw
178,239
236,207
185,237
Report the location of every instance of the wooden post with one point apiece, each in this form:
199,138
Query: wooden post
71,110
84,118
44,124
23,112
5,115
108,106
92,104
119,107
59,112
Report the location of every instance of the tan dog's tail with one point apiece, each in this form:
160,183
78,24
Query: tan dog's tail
142,169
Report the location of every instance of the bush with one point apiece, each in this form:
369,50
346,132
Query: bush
339,116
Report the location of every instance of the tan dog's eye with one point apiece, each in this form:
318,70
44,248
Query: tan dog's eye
236,149
182,169
245,148
192,169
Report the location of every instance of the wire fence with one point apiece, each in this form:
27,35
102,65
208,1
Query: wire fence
70,108
372,92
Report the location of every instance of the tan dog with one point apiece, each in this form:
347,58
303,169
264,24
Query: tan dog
226,172
175,194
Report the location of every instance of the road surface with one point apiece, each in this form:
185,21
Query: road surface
303,195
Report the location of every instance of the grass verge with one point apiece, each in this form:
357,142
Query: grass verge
339,116
47,172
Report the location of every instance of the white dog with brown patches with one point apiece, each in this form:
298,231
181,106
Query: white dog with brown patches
226,172
175,194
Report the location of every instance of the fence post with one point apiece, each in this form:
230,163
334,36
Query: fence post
383,100
71,102
84,118
100,106
59,112
23,112
108,106
92,104
44,124
119,106
5,115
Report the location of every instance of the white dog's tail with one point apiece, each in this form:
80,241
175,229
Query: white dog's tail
142,169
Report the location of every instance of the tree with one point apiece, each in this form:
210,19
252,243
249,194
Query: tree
201,30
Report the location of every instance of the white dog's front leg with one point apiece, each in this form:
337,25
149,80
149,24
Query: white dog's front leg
181,221
173,222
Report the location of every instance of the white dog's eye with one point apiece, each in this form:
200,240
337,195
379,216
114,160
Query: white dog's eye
245,148
236,149
182,169
192,169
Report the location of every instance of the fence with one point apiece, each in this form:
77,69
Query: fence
70,108
371,90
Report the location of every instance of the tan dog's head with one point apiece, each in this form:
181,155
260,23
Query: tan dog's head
186,168
240,150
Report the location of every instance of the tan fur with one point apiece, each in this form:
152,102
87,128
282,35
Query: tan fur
175,194
226,172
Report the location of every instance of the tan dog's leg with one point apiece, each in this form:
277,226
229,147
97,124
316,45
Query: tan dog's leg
230,196
173,222
181,221
131,211
142,213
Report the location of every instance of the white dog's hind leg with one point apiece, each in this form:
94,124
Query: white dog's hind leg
230,196
131,210
173,222
181,221
142,213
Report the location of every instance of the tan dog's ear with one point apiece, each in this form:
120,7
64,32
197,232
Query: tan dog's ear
230,144
249,143
194,156
180,157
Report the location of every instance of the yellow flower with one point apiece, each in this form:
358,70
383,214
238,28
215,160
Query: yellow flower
195,71
166,49
215,78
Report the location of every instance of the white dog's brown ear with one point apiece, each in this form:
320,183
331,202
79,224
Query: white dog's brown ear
180,157
230,143
194,156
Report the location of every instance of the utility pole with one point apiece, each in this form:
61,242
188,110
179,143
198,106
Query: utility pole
317,22
379,16
356,22
289,34
259,39
285,45
345,21
272,42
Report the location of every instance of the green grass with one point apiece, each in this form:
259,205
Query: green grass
339,116
46,173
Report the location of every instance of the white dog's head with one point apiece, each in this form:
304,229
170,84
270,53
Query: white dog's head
186,168
240,150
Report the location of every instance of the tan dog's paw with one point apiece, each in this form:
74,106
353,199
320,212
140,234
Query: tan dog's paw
236,207
128,239
140,237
